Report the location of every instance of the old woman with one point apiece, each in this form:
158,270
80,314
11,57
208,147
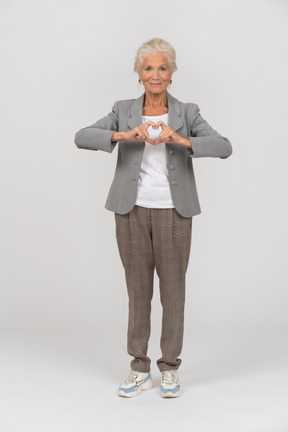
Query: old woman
154,198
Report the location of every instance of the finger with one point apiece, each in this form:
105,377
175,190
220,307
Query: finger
162,124
149,123
150,141
143,131
157,141
168,139
166,133
140,134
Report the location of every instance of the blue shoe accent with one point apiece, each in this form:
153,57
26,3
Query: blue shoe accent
127,390
148,377
170,390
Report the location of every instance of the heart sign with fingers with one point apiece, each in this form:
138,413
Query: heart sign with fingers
158,133
154,133
161,133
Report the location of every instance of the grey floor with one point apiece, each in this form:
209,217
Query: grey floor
58,381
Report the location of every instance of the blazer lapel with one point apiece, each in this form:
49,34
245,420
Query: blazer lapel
136,112
175,121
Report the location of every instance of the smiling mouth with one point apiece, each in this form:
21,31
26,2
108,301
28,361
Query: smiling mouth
155,84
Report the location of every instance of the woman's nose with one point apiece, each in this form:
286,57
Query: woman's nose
155,74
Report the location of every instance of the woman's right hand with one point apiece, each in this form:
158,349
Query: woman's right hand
138,134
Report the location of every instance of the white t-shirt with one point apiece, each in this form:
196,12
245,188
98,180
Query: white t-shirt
153,182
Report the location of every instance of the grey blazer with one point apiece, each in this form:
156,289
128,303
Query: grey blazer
185,119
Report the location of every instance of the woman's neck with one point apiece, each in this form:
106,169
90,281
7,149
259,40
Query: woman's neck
155,104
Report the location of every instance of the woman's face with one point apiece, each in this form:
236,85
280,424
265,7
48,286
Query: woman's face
155,73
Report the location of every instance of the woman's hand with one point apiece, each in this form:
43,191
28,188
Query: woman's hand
138,134
168,135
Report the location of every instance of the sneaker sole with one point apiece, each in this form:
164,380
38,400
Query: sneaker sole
169,394
145,386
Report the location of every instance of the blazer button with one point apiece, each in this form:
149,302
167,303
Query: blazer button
173,182
171,152
171,166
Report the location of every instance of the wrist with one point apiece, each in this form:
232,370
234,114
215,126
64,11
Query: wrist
186,142
118,136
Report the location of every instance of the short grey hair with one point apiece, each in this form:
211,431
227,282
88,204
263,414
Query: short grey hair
152,46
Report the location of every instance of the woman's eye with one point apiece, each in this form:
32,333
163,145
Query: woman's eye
148,68
163,68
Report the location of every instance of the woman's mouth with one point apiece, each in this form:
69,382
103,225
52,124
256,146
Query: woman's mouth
155,84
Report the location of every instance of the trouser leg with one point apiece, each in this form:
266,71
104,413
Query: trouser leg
133,233
171,234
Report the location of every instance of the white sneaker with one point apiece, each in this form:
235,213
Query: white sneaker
170,384
135,383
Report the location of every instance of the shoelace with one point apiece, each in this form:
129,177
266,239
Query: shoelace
132,377
170,377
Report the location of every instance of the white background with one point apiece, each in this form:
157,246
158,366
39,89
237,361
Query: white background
63,64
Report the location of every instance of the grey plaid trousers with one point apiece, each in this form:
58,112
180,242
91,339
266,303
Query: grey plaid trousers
148,239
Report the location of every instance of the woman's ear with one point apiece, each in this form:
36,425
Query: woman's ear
139,77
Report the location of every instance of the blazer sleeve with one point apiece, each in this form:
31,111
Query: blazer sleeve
206,141
98,135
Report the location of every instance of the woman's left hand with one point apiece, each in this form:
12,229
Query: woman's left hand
168,135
